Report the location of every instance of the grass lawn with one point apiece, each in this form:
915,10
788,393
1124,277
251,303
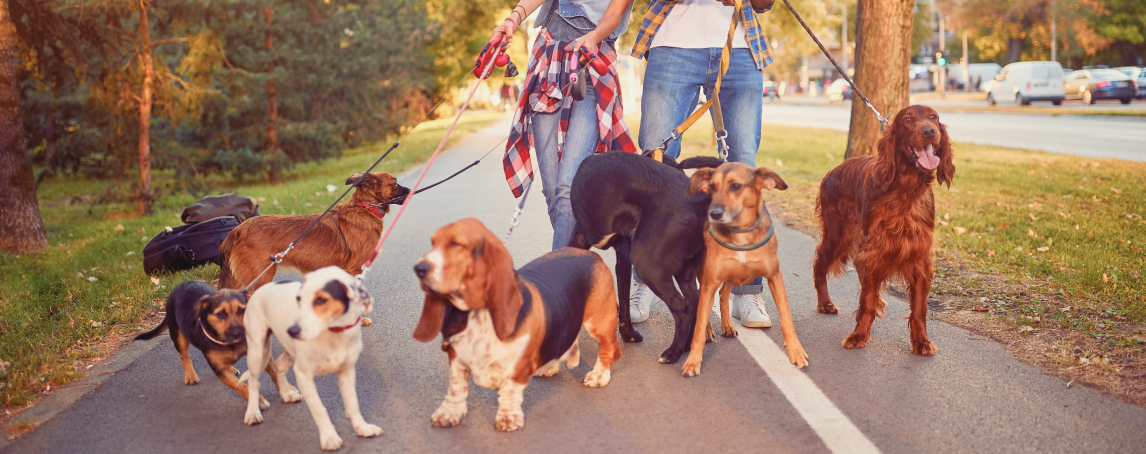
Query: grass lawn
1031,247
72,304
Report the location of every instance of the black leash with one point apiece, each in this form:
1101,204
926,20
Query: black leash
398,199
882,119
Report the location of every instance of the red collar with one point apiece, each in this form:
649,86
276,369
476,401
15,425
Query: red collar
339,329
371,207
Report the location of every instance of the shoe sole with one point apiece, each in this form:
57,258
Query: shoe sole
767,324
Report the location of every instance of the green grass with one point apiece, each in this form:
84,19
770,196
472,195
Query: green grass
1004,205
57,307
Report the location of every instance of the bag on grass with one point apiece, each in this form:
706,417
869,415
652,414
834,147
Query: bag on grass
214,206
187,246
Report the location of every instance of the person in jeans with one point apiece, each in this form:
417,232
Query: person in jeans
564,131
682,42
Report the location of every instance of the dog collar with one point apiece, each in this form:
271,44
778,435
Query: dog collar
771,229
212,338
371,207
339,329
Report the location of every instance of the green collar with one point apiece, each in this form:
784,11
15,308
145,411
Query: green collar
771,229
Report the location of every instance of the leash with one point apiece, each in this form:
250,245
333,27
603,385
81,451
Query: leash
513,222
486,62
882,119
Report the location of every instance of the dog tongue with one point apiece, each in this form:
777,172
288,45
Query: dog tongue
926,158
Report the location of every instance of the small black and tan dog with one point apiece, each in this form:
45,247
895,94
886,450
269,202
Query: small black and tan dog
211,320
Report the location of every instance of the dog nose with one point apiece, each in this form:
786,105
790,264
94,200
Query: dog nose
928,132
422,269
293,331
716,213
235,332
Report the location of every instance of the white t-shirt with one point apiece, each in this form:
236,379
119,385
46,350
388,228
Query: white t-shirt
699,24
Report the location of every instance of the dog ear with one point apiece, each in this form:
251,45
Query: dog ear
887,156
494,285
433,314
767,179
699,181
203,306
362,297
946,171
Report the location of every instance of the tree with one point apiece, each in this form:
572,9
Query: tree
883,54
145,110
21,228
1008,31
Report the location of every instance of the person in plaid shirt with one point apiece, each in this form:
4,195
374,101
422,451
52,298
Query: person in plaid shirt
682,42
563,131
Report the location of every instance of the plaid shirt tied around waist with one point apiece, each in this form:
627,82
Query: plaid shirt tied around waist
547,90
753,31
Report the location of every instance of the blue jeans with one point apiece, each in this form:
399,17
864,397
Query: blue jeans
566,22
673,80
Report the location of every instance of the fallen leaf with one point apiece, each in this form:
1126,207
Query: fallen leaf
261,199
96,324
1105,278
1067,309
979,309
155,280
942,222
1064,215
113,304
1115,190
1003,226
982,299
1033,217
829,155
92,279
1025,329
960,230
118,228
331,188
779,163
1031,172
1031,232
1043,249
947,216
990,253
1076,226
129,253
1020,249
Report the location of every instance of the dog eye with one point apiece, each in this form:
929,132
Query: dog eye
933,117
907,120
319,301
240,312
455,244
735,187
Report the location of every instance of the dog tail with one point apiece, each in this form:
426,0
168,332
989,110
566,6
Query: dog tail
155,332
226,276
578,239
700,162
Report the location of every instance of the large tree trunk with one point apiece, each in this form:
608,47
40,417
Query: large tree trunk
145,112
1014,50
272,99
883,53
21,228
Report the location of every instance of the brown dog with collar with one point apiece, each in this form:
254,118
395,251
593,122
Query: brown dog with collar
740,244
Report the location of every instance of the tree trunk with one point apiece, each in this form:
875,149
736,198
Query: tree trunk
883,53
21,228
145,112
1014,50
272,99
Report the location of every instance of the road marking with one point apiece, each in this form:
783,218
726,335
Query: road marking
832,426
1116,136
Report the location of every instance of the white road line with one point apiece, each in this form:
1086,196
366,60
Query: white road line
833,427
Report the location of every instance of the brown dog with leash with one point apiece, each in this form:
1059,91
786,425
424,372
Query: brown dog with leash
740,244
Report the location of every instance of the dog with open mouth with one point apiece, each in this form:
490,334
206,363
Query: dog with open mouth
879,213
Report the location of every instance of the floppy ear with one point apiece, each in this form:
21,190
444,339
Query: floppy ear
499,293
699,181
354,178
203,305
946,171
887,157
358,294
243,294
767,179
433,314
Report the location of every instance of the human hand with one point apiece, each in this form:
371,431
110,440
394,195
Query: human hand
505,30
589,41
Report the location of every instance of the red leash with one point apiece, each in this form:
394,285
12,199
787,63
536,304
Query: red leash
487,61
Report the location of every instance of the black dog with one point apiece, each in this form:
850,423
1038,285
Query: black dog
641,209
212,321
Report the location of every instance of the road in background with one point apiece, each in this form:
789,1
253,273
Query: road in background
1090,136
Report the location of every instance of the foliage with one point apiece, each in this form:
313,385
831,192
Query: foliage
789,40
1014,30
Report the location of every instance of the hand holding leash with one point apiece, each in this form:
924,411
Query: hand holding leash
494,51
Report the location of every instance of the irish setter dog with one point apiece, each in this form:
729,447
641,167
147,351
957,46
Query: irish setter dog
879,212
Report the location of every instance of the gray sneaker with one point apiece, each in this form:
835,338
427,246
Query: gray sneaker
640,300
750,310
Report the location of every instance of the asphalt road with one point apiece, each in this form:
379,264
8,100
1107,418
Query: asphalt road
971,397
1091,136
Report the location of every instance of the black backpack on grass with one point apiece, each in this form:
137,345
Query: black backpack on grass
187,246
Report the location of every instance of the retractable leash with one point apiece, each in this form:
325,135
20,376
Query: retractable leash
882,119
513,222
493,54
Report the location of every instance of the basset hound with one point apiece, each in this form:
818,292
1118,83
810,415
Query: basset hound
505,326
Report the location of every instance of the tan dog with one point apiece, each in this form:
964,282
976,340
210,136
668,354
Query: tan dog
505,326
740,244
343,238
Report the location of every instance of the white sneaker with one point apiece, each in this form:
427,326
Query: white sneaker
640,299
750,310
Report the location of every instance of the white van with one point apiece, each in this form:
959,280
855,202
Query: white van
1023,82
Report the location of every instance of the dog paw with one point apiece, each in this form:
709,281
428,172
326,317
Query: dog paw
598,379
447,416
690,369
827,308
329,441
190,379
548,370
924,348
366,321
670,356
254,416
797,355
728,331
509,421
291,395
367,430
856,340
631,335
263,403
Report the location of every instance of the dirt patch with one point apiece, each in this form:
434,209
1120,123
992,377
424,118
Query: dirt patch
1069,338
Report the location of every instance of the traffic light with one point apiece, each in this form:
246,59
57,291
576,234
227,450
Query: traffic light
939,60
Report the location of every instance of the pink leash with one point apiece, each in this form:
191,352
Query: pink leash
378,248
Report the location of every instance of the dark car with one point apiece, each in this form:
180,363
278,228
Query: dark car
772,90
1138,75
1090,85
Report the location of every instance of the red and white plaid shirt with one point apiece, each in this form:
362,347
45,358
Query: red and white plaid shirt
547,90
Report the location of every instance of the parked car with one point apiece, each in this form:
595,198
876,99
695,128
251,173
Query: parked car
1028,81
839,90
976,73
772,90
1090,85
1138,75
